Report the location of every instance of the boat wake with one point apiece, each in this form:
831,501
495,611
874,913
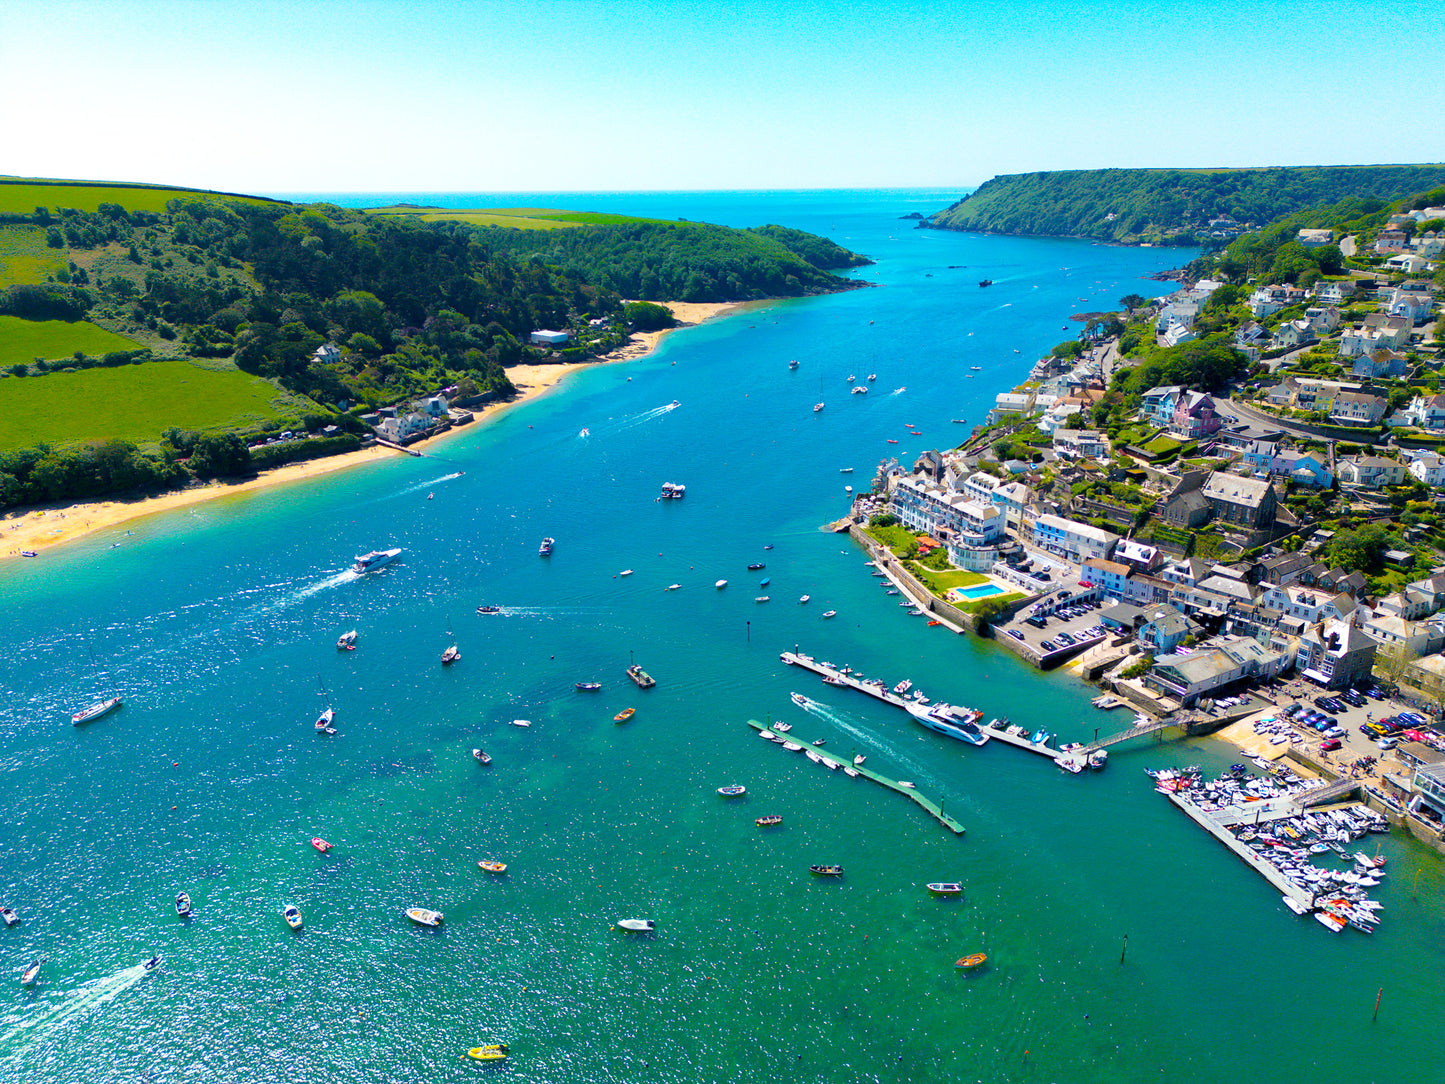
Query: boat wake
419,486
79,1002
898,391
611,428
845,722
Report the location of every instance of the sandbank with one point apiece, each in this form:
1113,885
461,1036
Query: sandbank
39,527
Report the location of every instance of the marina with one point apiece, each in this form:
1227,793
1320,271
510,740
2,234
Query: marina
855,770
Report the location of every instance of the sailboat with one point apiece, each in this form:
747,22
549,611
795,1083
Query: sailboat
451,654
323,721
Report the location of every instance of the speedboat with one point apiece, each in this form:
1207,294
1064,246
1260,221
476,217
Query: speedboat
782,728
346,641
720,584
826,871
804,599
522,722
587,686
770,819
9,916
489,609
799,699
492,866
859,759
370,562
641,925
623,715
95,711
672,587
292,915
153,963
490,1052
735,790
480,756
945,888
423,917
320,844
545,549
830,613
625,572
30,973
450,655
183,905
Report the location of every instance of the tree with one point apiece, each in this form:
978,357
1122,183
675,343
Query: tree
220,455
1133,301
645,316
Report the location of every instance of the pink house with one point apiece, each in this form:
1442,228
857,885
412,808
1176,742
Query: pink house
1194,416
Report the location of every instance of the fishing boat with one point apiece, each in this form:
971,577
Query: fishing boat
492,866
639,925
489,609
734,790
945,888
968,963
770,819
320,844
451,655
545,549
183,904
623,715
640,677
522,722
490,1052
30,974
346,641
8,915
481,756
424,917
370,562
292,915
587,686
826,871
95,711
830,613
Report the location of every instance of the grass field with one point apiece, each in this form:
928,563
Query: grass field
517,218
25,257
23,195
135,403
22,341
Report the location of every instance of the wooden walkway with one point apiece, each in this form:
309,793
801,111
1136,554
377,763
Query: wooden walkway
1321,795
934,809
1151,727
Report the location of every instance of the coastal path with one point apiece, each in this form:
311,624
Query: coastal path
934,809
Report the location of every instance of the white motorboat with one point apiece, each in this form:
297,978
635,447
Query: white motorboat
845,470
183,904
762,598
860,389
872,377
95,711
1295,906
672,587
720,584
424,917
292,915
804,599
641,925
792,747
625,572
31,973
817,407
830,613
370,562
521,722
906,783
799,699
9,917
782,728
859,759
851,773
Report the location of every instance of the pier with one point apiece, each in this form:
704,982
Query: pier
1214,826
845,677
934,809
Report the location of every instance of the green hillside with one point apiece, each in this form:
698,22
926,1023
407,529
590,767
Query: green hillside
1171,206
22,195
22,341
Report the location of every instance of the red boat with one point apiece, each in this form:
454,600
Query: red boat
892,441
320,844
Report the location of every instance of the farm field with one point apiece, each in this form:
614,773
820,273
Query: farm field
24,256
520,218
22,341
135,403
23,195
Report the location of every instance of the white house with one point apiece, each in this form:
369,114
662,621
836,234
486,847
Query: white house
549,338
1076,541
1428,467
1083,443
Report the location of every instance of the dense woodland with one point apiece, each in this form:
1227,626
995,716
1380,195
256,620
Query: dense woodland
1168,205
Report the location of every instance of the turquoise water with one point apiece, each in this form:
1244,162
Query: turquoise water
982,590
218,625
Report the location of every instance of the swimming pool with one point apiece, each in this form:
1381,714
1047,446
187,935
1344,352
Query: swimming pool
981,590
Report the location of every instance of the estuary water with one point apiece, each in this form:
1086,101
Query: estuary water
1124,944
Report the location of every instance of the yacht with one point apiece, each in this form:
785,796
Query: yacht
817,407
370,562
346,641
451,655
941,719
95,711
872,377
323,722
805,598
860,389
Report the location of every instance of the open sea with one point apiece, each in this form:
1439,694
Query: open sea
218,623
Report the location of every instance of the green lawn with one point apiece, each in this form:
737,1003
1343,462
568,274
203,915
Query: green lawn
957,577
1163,445
25,257
22,341
23,195
897,538
135,403
519,218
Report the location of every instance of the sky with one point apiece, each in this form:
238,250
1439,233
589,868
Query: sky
606,95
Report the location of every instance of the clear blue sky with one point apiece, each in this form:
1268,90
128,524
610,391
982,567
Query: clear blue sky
602,94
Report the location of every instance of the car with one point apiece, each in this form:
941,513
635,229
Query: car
1066,638
1386,743
1352,697
1329,745
1374,730
1334,732
1411,717
1374,692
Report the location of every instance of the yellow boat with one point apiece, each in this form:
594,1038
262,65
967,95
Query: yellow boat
968,963
623,715
492,867
491,1052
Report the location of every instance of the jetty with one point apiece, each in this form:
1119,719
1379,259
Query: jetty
1214,826
933,808
880,691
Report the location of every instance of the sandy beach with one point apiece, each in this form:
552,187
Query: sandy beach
38,528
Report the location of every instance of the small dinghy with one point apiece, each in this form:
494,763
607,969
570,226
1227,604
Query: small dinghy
969,963
826,871
490,1052
183,905
804,599
946,888
292,915
830,613
623,715
480,756
492,866
770,819
424,917
320,844
735,790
